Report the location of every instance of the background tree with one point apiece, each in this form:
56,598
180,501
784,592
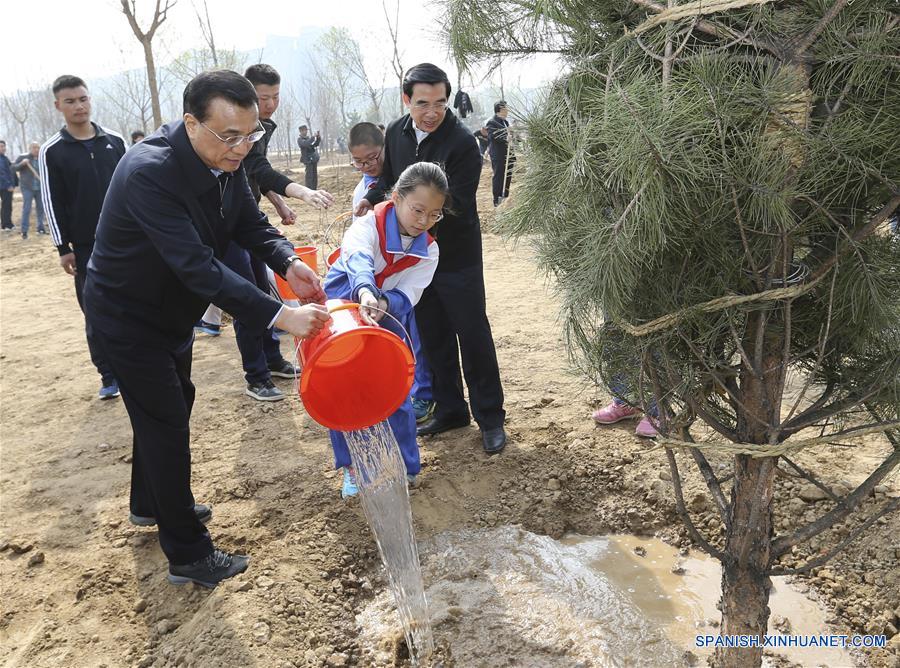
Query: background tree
344,54
330,66
393,26
145,37
19,105
710,183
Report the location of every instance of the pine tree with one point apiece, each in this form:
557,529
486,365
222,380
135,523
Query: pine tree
711,184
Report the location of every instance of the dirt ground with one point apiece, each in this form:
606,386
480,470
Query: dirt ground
82,587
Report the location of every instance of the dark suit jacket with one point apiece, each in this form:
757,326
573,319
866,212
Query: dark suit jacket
163,231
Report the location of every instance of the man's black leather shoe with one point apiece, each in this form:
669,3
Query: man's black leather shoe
435,425
203,512
494,440
209,571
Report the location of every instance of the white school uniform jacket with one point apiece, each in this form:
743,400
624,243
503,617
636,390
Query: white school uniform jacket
360,191
375,254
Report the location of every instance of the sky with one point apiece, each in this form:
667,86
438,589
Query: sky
91,38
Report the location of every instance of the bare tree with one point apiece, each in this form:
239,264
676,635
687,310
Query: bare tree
160,14
19,106
334,69
347,53
394,32
208,35
131,100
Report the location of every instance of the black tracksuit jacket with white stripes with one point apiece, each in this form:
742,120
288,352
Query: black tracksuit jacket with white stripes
74,183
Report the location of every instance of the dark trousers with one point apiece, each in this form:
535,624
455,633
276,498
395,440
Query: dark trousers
312,175
501,169
98,358
6,209
259,348
452,320
156,387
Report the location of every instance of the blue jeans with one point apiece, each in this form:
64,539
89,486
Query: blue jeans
27,197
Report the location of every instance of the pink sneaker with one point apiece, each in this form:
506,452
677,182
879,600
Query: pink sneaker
645,429
615,413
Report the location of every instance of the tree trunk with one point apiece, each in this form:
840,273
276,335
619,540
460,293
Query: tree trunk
747,553
745,587
151,82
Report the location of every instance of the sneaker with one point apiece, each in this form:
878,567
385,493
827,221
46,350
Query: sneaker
203,513
285,369
264,390
349,488
110,391
209,571
645,429
203,327
423,409
615,412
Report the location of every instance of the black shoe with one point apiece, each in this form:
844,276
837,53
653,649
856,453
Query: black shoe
494,440
203,512
436,425
285,369
209,571
264,390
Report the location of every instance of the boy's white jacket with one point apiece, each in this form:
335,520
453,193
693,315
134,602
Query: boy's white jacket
361,254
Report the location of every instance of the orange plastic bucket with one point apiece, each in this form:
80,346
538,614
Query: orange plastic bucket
354,375
333,257
309,256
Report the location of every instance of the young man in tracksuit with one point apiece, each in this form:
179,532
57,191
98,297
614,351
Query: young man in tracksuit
260,350
76,165
502,157
451,314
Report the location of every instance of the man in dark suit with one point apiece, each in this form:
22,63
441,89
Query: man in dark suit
174,203
451,315
502,157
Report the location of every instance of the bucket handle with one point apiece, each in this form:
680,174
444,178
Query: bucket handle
356,305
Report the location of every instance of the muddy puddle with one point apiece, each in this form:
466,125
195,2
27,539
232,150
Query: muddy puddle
507,597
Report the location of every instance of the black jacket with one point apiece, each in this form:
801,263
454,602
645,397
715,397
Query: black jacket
166,223
498,135
308,148
262,176
74,179
454,148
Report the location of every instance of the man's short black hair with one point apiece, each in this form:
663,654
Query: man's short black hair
136,134
263,75
424,73
367,134
67,81
499,105
3,141
207,86
303,127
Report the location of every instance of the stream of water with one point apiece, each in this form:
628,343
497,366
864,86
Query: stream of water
383,494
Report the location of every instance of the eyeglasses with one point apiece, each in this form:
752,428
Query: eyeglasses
362,164
425,106
424,215
236,140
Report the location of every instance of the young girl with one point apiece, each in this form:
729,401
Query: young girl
387,260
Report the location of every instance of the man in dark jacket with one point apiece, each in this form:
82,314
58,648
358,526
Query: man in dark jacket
174,204
451,313
8,184
309,155
502,157
260,350
76,165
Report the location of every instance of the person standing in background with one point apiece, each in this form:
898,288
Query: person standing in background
30,182
8,183
502,157
309,155
76,165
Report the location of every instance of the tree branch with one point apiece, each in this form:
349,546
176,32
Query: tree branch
683,513
889,507
851,501
817,29
715,488
811,478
